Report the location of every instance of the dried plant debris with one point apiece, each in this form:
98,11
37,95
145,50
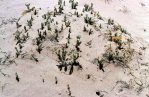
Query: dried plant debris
7,21
6,59
29,9
69,91
4,74
33,57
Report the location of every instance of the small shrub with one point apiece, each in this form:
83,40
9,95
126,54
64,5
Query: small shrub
74,4
78,43
42,26
88,20
39,48
29,22
90,31
88,8
62,59
67,23
110,22
67,63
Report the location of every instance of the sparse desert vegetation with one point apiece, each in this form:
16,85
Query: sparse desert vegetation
75,52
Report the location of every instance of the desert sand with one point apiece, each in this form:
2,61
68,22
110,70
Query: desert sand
106,46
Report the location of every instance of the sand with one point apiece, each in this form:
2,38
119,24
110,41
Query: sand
37,79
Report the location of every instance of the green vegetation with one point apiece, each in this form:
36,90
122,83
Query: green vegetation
57,28
89,20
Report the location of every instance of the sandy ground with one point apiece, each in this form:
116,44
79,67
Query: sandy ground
38,79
